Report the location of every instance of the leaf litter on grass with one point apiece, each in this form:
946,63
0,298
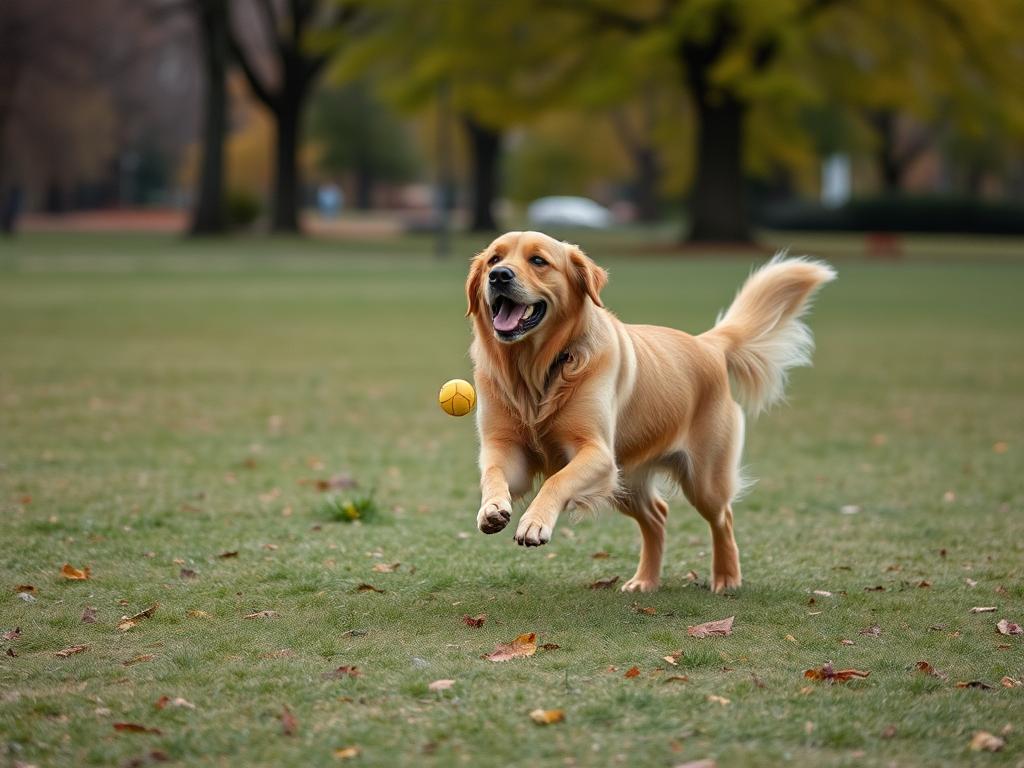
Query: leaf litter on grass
720,628
829,674
524,645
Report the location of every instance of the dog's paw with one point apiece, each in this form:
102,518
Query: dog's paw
532,532
725,582
494,515
640,585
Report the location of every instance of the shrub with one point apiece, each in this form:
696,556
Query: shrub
243,208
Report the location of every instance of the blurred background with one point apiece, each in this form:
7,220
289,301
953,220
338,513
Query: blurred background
706,120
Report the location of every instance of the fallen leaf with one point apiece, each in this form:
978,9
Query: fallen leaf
889,731
676,679
364,587
386,567
790,638
718,699
604,583
474,621
983,741
136,728
973,684
1000,447
289,725
692,576
138,659
873,631
673,658
600,555
71,573
757,681
720,628
924,583
231,553
550,647
187,573
346,670
970,583
547,716
928,669
25,588
632,672
846,642
262,615
648,611
354,633
71,650
1009,628
12,653
13,634
823,592
984,609
193,614
346,753
524,645
1009,682
127,622
441,685
876,588
178,702
89,615
1001,590
828,673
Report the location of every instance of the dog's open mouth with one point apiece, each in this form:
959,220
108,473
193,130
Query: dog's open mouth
512,320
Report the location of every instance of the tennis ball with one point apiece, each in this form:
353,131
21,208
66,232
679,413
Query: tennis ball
457,397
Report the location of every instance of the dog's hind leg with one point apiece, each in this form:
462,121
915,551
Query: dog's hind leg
641,501
710,478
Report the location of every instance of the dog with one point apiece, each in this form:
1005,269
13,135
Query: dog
599,409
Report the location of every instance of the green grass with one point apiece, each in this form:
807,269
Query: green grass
164,402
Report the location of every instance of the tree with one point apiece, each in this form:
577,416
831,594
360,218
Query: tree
209,216
290,29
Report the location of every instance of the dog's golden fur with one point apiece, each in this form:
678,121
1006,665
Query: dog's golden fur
599,408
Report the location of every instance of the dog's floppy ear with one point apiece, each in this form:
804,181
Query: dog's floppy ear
476,276
592,277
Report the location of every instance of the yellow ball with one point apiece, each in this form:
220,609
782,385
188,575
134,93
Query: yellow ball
457,397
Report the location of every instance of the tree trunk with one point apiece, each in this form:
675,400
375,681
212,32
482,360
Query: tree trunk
209,217
287,182
718,202
645,189
485,147
364,186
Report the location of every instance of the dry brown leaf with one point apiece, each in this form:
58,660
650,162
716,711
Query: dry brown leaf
187,573
924,583
676,679
876,588
474,621
1000,447
828,673
692,576
974,684
1009,682
89,615
30,588
386,567
720,628
673,658
873,631
68,571
289,725
600,555
524,645
194,614
127,622
983,741
364,587
346,753
846,642
632,672
889,732
928,669
12,653
718,699
72,650
440,685
790,638
547,716
346,670
136,728
12,634
138,659
604,583
226,555
262,615
984,609
646,611
1009,628
177,702
550,647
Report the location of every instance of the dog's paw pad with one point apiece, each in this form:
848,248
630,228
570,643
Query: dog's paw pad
494,516
532,534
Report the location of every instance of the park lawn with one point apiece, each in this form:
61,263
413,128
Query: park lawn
162,403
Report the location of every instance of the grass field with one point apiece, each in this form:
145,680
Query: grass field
163,403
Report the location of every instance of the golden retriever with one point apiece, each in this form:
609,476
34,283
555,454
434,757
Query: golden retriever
599,408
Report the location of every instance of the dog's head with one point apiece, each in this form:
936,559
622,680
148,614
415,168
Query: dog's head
527,283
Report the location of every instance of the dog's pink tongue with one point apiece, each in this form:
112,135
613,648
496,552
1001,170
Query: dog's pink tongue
509,315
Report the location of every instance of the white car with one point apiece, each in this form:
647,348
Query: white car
565,211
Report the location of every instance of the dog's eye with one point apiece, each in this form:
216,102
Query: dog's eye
493,260
537,260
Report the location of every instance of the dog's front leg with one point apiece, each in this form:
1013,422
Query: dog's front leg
502,464
590,474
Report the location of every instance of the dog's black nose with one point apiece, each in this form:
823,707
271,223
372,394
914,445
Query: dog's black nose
501,275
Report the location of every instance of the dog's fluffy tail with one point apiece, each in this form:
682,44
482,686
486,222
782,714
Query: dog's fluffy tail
762,333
